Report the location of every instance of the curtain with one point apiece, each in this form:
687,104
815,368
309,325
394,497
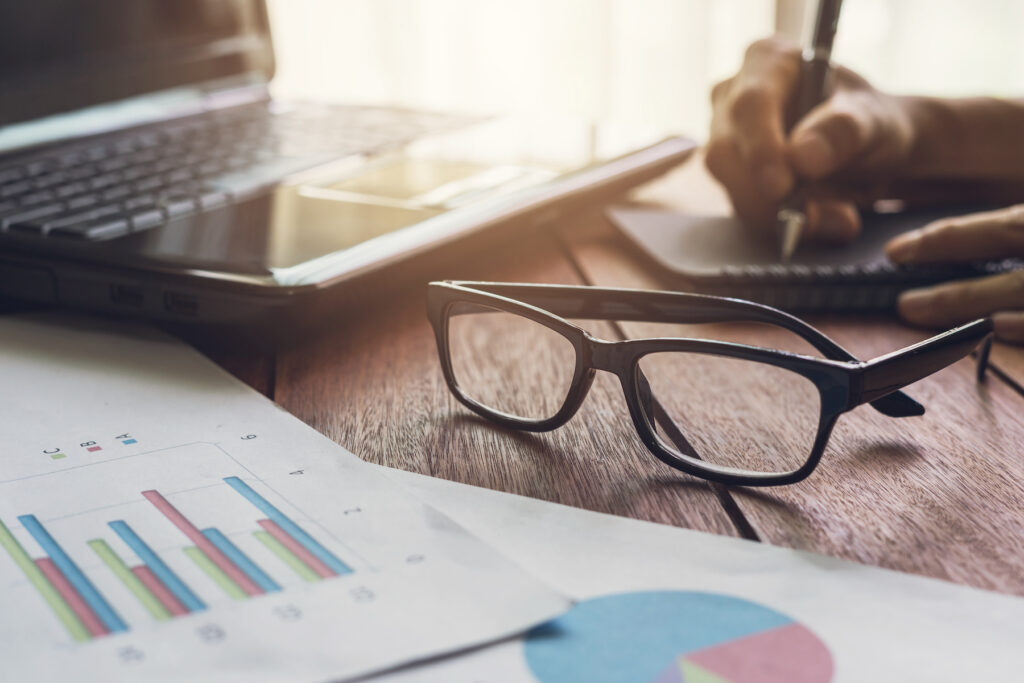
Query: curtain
622,63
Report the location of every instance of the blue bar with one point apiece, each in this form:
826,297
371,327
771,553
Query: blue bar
97,603
241,560
293,529
177,587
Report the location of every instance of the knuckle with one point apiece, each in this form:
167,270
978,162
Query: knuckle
1016,282
764,149
770,47
716,157
750,102
720,89
1013,229
845,127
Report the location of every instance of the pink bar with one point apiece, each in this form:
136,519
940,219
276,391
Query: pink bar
297,548
71,596
203,543
157,588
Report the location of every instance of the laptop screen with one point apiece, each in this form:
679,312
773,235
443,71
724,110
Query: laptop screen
61,55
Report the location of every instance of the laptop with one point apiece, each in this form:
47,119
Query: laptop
145,169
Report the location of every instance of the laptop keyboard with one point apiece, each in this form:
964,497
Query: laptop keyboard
139,179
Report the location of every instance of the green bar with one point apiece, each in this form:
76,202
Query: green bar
132,582
215,573
287,556
43,585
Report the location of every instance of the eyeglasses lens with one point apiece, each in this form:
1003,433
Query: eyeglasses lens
739,414
508,363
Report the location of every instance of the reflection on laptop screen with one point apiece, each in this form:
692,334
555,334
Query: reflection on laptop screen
59,55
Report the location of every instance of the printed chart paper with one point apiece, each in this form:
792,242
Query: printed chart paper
658,604
161,521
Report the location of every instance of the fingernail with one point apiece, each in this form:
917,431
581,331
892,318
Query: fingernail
916,305
813,154
776,180
902,249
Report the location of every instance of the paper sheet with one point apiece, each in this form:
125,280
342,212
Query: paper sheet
161,521
664,604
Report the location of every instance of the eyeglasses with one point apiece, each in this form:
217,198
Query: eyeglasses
726,412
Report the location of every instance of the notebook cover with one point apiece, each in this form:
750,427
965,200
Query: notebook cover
718,255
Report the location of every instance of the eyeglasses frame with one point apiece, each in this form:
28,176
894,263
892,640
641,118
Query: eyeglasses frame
843,381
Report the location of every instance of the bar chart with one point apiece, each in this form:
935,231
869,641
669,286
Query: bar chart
87,614
161,521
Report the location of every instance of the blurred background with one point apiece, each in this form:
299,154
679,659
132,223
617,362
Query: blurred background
622,65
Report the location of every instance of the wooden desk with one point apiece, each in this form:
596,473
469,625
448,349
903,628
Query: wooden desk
940,495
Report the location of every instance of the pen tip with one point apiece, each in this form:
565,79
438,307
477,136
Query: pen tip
792,223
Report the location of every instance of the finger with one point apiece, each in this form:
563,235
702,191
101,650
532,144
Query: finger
725,163
834,221
756,107
829,219
1010,326
845,129
978,236
956,302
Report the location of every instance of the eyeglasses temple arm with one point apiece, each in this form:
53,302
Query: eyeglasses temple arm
598,303
887,374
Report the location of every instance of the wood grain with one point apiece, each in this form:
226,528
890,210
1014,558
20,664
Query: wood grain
1008,362
938,495
375,386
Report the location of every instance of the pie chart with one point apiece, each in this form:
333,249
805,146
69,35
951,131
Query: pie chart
675,637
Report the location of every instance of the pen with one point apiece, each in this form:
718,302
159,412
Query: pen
813,88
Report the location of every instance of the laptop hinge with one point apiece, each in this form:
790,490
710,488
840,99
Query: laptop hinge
235,95
145,109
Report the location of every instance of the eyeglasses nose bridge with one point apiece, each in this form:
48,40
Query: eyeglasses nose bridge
606,355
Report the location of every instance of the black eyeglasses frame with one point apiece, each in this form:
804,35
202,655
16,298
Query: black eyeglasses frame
843,381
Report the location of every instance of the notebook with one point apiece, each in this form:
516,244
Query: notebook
718,255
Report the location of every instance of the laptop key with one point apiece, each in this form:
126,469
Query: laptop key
147,219
80,172
134,173
46,224
176,203
71,189
211,199
30,219
100,229
147,184
49,180
141,201
116,192
15,188
263,174
178,175
34,168
82,202
106,180
36,198
9,175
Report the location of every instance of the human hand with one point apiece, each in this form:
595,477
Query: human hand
846,148
975,237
